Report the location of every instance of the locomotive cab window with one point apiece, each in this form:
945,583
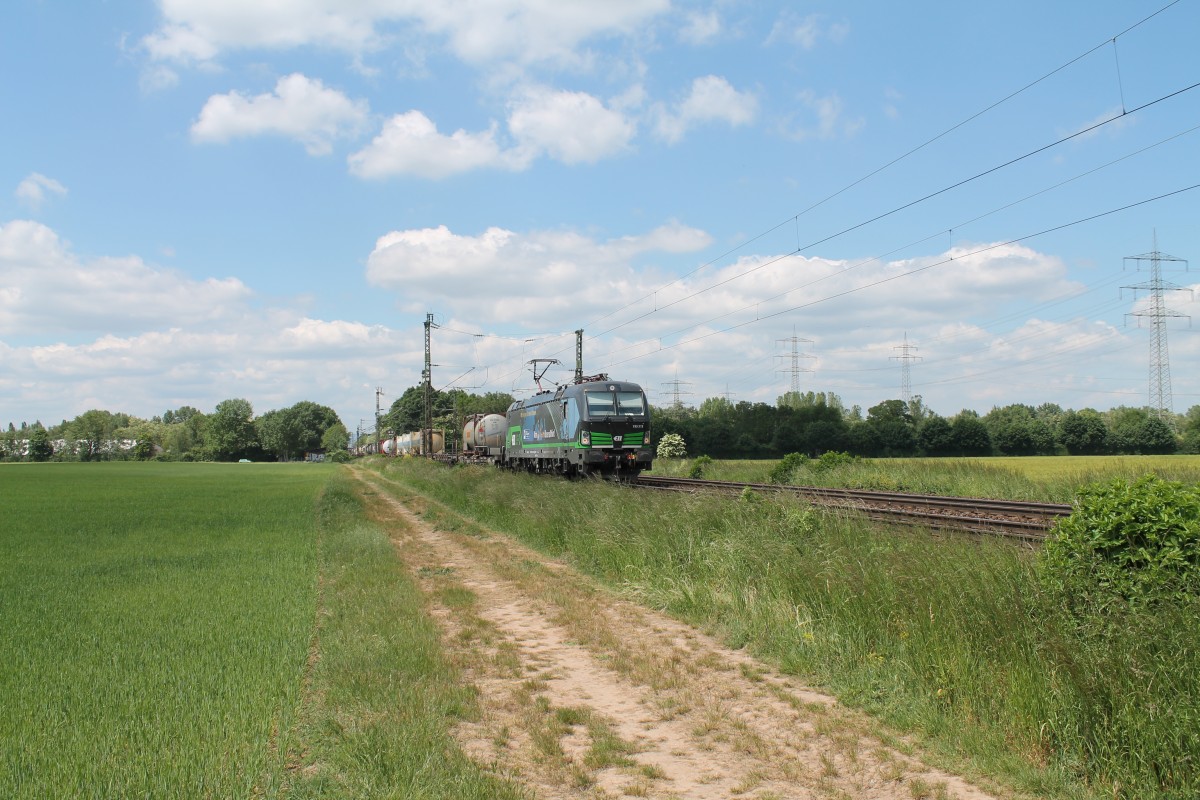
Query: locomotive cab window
631,404
612,404
600,404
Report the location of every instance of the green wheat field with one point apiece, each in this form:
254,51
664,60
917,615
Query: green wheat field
161,626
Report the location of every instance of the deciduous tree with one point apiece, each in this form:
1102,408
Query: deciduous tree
40,448
229,431
971,437
336,438
1016,431
935,437
1083,433
1137,431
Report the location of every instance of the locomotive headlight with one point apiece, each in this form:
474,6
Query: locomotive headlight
585,438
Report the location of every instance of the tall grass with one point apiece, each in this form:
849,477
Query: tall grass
944,637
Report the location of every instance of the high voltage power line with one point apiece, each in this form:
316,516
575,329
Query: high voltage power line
926,267
875,283
1124,112
898,209
1112,40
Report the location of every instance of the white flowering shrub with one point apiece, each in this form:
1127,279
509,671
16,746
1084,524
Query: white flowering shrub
671,445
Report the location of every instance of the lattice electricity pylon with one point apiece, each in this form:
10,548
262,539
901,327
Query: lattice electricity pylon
906,358
677,394
795,369
1161,402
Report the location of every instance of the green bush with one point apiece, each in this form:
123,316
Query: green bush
697,470
832,460
1121,581
1134,544
783,471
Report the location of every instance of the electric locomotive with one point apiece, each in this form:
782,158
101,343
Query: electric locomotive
594,426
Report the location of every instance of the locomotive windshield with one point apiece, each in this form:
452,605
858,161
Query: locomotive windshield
610,404
630,404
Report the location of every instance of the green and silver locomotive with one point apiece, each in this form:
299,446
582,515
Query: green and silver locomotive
594,426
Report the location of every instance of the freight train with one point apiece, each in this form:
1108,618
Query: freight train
593,426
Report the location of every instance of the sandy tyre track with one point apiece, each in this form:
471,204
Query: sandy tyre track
585,695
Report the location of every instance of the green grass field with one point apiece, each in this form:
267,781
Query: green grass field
157,619
214,630
1101,466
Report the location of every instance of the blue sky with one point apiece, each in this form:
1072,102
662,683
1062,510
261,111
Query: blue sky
205,199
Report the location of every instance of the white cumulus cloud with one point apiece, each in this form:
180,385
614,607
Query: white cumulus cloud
528,31
33,191
299,108
50,290
410,144
477,31
502,275
273,359
710,99
571,127
700,27
823,117
120,334
805,32
199,30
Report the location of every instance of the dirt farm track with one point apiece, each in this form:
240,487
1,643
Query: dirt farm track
585,695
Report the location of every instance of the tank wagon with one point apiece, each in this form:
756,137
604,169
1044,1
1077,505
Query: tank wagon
412,444
483,435
593,426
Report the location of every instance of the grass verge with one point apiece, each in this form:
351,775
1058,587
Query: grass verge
381,697
946,638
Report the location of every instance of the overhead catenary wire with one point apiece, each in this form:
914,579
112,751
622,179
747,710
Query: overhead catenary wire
522,338
907,205
1124,112
1108,305
922,269
796,217
875,258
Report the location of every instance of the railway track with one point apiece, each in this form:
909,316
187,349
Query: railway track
1012,518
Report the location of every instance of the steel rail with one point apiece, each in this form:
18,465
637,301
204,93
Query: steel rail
1019,519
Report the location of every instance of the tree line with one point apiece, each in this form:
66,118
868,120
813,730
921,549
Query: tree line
798,422
229,433
818,422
